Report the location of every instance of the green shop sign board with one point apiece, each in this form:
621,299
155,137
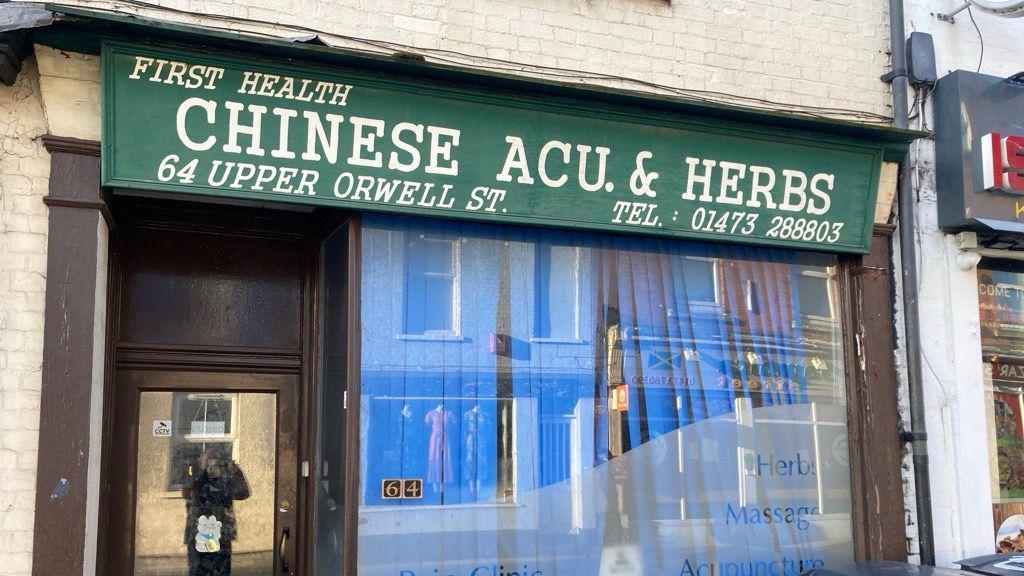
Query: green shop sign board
194,123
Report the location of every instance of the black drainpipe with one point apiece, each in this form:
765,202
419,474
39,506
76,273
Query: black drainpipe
917,435
13,51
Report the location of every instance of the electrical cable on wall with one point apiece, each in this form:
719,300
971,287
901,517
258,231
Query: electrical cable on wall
456,58
980,38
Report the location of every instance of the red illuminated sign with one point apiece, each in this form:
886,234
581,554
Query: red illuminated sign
1002,162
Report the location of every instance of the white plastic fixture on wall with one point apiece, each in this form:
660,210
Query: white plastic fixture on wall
1005,8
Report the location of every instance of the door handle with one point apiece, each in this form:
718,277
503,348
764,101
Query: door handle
282,551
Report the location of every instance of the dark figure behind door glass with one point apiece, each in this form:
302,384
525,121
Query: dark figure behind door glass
213,483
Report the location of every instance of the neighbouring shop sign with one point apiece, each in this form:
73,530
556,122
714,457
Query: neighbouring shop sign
979,151
204,124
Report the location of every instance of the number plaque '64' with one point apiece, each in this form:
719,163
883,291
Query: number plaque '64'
394,488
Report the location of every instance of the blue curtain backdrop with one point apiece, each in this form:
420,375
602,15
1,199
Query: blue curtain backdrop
575,403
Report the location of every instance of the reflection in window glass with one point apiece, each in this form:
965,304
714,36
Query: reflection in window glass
215,514
330,465
812,289
556,281
430,282
677,432
699,279
201,421
1001,302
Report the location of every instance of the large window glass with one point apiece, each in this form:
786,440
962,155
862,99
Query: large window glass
544,402
1001,302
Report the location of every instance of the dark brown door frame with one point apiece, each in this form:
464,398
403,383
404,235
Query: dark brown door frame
876,454
349,224
72,348
120,509
302,362
354,344
324,226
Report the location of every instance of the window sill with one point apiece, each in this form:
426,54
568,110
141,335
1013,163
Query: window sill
438,337
384,508
576,341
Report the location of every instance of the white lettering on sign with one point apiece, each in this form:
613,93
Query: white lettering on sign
171,72
394,161
209,106
289,88
516,160
1002,163
237,131
1003,290
442,140
1011,371
755,186
542,168
246,124
363,142
400,192
315,133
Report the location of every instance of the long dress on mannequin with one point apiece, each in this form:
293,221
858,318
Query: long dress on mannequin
478,452
439,462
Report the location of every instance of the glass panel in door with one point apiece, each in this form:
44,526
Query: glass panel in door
205,483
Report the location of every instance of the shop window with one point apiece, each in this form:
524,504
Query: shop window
201,423
432,279
1001,311
664,436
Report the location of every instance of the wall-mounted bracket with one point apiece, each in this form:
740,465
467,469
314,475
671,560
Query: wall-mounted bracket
971,252
951,16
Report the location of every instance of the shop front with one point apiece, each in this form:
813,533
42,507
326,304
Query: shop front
980,138
381,323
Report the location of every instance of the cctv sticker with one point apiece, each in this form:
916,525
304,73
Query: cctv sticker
162,428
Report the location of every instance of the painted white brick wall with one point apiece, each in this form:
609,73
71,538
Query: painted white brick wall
958,46
951,343
826,53
24,171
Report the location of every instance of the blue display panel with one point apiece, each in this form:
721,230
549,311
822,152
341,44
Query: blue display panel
572,403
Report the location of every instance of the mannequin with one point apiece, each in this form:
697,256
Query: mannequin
439,464
471,451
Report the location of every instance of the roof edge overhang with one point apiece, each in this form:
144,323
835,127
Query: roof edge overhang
83,30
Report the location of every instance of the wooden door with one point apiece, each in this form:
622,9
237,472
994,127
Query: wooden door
205,437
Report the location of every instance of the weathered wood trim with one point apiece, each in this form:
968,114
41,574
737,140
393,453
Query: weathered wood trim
129,356
858,513
883,230
72,203
73,343
66,157
71,145
876,452
354,375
